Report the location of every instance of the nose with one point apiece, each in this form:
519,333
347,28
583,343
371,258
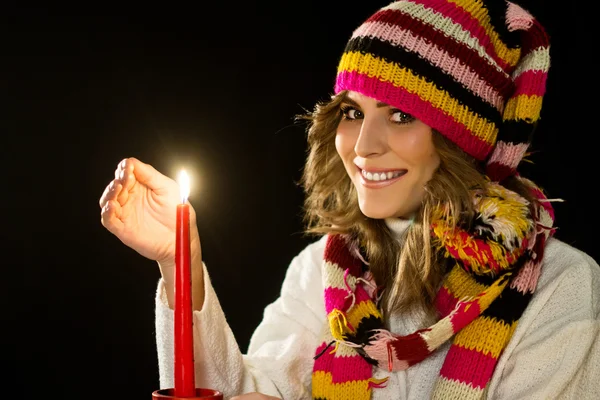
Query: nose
372,138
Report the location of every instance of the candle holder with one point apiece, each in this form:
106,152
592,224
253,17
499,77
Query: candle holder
201,394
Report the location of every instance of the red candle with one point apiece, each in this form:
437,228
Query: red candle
184,345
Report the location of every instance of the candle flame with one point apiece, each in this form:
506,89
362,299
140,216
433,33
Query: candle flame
184,185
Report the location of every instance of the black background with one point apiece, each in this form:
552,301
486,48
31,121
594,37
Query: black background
213,88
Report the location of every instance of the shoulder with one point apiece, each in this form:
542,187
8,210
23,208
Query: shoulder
569,280
312,254
557,251
305,269
553,347
562,260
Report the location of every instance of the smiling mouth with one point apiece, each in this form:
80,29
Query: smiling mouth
382,176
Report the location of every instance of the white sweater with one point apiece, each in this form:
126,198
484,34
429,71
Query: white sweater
554,353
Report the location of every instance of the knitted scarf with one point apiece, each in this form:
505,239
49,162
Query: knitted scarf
495,265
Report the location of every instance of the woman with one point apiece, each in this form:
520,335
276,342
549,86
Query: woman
436,274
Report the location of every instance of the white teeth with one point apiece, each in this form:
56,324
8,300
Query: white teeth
383,176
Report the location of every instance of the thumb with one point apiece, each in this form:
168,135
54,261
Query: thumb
146,174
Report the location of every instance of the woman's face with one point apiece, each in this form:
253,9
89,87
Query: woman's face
388,154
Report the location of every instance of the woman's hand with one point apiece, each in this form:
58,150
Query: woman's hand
254,396
139,207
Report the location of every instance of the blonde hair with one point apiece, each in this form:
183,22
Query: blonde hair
411,273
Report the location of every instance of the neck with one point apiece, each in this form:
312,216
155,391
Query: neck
398,226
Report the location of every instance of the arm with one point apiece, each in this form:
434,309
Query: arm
279,359
557,351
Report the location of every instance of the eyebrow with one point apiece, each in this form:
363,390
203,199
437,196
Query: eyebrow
380,104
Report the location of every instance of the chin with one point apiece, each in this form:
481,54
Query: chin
378,212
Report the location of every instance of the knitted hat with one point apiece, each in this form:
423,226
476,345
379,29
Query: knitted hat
474,70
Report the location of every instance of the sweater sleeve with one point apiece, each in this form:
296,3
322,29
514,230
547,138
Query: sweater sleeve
279,357
557,354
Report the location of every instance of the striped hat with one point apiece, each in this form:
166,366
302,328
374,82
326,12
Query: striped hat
473,70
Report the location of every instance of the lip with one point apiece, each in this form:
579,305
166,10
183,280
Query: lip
371,169
376,184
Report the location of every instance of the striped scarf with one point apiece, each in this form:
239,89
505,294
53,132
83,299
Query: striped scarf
496,265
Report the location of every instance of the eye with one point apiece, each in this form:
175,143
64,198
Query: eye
351,113
400,117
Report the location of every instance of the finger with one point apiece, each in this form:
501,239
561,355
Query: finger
147,174
110,217
111,191
123,196
120,168
127,180
127,176
102,201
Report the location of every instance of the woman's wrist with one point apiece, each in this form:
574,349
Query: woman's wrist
167,271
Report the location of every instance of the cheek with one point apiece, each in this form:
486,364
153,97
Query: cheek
416,148
434,160
344,143
339,143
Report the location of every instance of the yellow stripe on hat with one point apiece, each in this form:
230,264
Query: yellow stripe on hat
454,30
384,71
470,336
480,12
324,388
523,107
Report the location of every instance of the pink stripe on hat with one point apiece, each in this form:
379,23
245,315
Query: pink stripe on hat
417,107
468,22
437,56
531,83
